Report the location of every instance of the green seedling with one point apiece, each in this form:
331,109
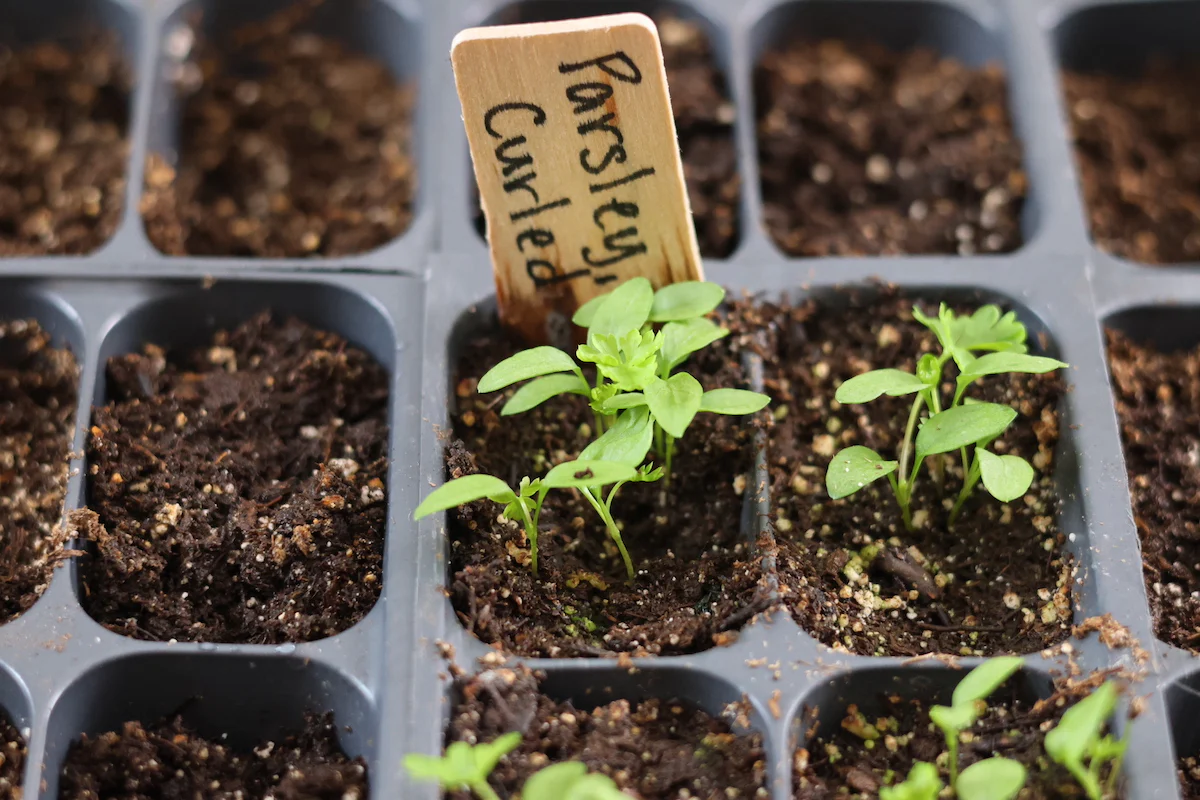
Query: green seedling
570,780
524,504
923,783
637,339
991,779
464,766
963,425
1079,743
968,703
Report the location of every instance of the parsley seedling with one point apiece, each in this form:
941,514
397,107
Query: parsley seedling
964,425
638,398
1078,742
570,780
922,783
524,504
969,702
464,766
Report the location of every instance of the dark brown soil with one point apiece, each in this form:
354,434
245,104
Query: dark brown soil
704,118
1189,778
312,158
38,392
1137,146
659,749
1158,404
865,152
1000,582
698,578
1012,727
169,760
13,751
238,489
63,147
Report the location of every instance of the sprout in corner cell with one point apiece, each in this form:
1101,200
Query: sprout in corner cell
1079,743
467,767
464,766
637,340
963,424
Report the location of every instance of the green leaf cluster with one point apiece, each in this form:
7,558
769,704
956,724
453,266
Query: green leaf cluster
1079,743
968,704
464,766
637,338
982,344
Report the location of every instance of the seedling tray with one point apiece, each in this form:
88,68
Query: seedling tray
409,304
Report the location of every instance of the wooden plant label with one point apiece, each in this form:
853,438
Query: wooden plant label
574,149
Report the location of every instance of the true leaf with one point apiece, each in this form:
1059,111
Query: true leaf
685,300
681,339
626,442
526,364
991,779
923,783
733,402
853,468
964,425
869,385
1005,477
463,764
587,473
488,755
1081,725
986,329
624,309
674,402
1001,363
622,401
539,390
466,489
979,683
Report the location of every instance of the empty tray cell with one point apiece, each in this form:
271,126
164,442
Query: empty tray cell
865,729
14,733
38,397
1131,76
1154,360
221,727
282,129
995,580
1183,704
237,465
884,128
695,53
698,574
64,117
662,733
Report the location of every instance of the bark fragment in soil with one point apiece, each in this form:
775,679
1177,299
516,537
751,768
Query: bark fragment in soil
238,489
660,749
314,158
1158,404
171,760
1001,581
865,152
63,147
838,764
1137,146
698,578
38,393
13,751
704,117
